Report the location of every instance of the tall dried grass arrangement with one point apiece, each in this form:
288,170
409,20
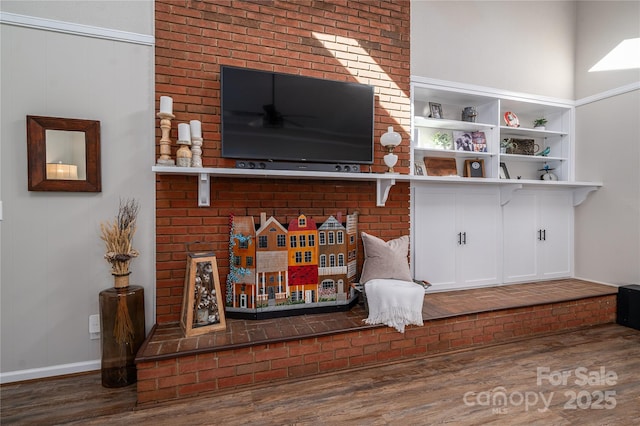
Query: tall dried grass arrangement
118,236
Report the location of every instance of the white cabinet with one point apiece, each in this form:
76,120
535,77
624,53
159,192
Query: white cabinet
456,236
538,235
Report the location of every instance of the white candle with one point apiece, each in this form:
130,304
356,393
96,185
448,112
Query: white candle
196,128
184,132
166,104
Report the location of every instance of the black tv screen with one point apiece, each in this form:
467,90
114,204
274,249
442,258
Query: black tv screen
283,117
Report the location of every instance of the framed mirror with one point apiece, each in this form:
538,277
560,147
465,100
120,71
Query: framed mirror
63,154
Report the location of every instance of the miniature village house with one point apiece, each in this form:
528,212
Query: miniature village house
278,269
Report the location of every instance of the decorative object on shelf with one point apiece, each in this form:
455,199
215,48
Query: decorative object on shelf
504,173
435,109
547,175
478,142
389,141
511,119
523,147
507,146
419,167
469,114
540,123
438,166
165,115
474,168
545,152
202,303
196,141
63,154
184,155
462,141
122,323
442,140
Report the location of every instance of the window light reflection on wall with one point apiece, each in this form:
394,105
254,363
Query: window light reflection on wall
59,171
624,56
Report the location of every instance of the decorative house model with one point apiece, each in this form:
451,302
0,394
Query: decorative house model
304,268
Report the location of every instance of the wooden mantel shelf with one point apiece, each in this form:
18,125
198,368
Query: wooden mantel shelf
384,181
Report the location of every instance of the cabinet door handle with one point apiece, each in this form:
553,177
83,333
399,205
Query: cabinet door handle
539,234
459,238
544,235
464,238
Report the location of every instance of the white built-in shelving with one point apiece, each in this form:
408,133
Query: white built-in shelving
469,232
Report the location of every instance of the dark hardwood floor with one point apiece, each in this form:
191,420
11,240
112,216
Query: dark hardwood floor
602,387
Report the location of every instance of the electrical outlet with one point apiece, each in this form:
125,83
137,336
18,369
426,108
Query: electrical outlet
94,327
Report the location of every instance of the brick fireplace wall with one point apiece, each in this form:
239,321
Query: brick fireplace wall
358,41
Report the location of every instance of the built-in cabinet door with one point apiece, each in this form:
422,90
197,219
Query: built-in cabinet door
556,222
520,248
456,236
434,236
538,235
478,221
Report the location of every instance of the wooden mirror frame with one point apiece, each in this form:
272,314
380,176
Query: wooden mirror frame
37,154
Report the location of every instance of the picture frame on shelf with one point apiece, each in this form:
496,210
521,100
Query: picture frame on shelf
504,172
462,141
419,168
474,168
478,142
202,304
435,109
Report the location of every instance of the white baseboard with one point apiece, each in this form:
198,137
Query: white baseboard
54,370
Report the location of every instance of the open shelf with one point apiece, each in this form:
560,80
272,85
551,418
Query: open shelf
523,131
384,181
441,123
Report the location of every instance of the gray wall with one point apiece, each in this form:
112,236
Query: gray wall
519,46
608,150
52,265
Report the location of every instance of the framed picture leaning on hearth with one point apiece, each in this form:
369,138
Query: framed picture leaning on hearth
202,303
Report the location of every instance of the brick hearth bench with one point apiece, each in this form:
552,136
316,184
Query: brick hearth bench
252,352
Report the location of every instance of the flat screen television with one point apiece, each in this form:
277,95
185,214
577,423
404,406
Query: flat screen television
277,117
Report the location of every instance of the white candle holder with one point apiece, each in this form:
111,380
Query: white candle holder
196,151
165,143
183,155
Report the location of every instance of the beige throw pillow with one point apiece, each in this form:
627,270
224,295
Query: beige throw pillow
385,259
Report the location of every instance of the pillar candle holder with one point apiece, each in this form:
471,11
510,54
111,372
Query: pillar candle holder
183,155
196,151
165,143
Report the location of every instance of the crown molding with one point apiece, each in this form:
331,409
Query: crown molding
608,94
45,24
